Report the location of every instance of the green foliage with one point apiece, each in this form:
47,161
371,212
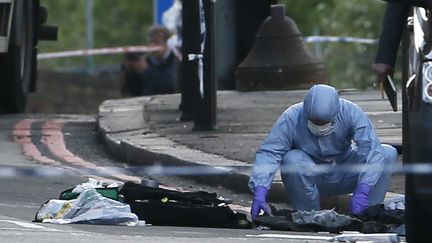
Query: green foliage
68,15
123,22
116,23
349,64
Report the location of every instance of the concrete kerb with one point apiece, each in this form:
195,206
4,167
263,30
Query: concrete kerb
113,125
128,137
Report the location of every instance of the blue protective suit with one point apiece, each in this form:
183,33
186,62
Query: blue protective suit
313,166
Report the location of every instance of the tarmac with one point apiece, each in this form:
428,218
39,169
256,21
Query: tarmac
146,131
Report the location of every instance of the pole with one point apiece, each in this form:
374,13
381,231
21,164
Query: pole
189,69
155,7
205,118
89,33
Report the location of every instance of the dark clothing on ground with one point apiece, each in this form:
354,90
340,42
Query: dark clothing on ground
375,219
393,26
158,78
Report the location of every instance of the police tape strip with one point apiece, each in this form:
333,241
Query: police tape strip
340,39
155,170
131,49
100,51
159,170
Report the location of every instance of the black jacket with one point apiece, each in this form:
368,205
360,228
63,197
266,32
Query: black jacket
393,26
158,78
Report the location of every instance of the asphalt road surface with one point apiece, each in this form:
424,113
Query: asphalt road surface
33,149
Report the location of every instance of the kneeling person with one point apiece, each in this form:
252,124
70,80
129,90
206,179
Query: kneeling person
324,146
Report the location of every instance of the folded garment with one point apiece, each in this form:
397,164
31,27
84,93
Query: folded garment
376,219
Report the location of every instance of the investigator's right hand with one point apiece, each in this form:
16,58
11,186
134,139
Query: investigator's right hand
259,202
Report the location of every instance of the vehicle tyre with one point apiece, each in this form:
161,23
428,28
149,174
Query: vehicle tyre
16,65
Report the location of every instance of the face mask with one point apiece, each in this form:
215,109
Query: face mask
320,130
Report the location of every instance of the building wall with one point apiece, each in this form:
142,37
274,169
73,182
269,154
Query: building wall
70,93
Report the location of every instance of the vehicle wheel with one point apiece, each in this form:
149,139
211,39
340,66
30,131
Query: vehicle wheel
16,66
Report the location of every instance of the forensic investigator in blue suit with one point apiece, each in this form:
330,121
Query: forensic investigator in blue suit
324,146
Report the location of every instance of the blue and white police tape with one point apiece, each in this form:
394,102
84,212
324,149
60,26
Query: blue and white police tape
197,170
339,39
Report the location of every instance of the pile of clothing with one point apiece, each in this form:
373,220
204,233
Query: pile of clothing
381,218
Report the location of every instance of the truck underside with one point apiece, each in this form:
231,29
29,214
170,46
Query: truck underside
21,28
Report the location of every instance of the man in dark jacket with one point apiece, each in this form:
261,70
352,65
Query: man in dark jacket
154,74
393,25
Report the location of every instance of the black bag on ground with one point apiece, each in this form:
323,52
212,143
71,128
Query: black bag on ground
159,206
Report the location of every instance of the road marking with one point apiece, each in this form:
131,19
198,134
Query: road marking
22,136
190,232
52,137
294,237
24,224
19,205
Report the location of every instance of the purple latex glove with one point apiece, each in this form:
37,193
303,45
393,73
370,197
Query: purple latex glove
259,202
360,199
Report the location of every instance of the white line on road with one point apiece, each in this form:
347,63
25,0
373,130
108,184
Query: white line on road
191,232
296,237
19,206
24,224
